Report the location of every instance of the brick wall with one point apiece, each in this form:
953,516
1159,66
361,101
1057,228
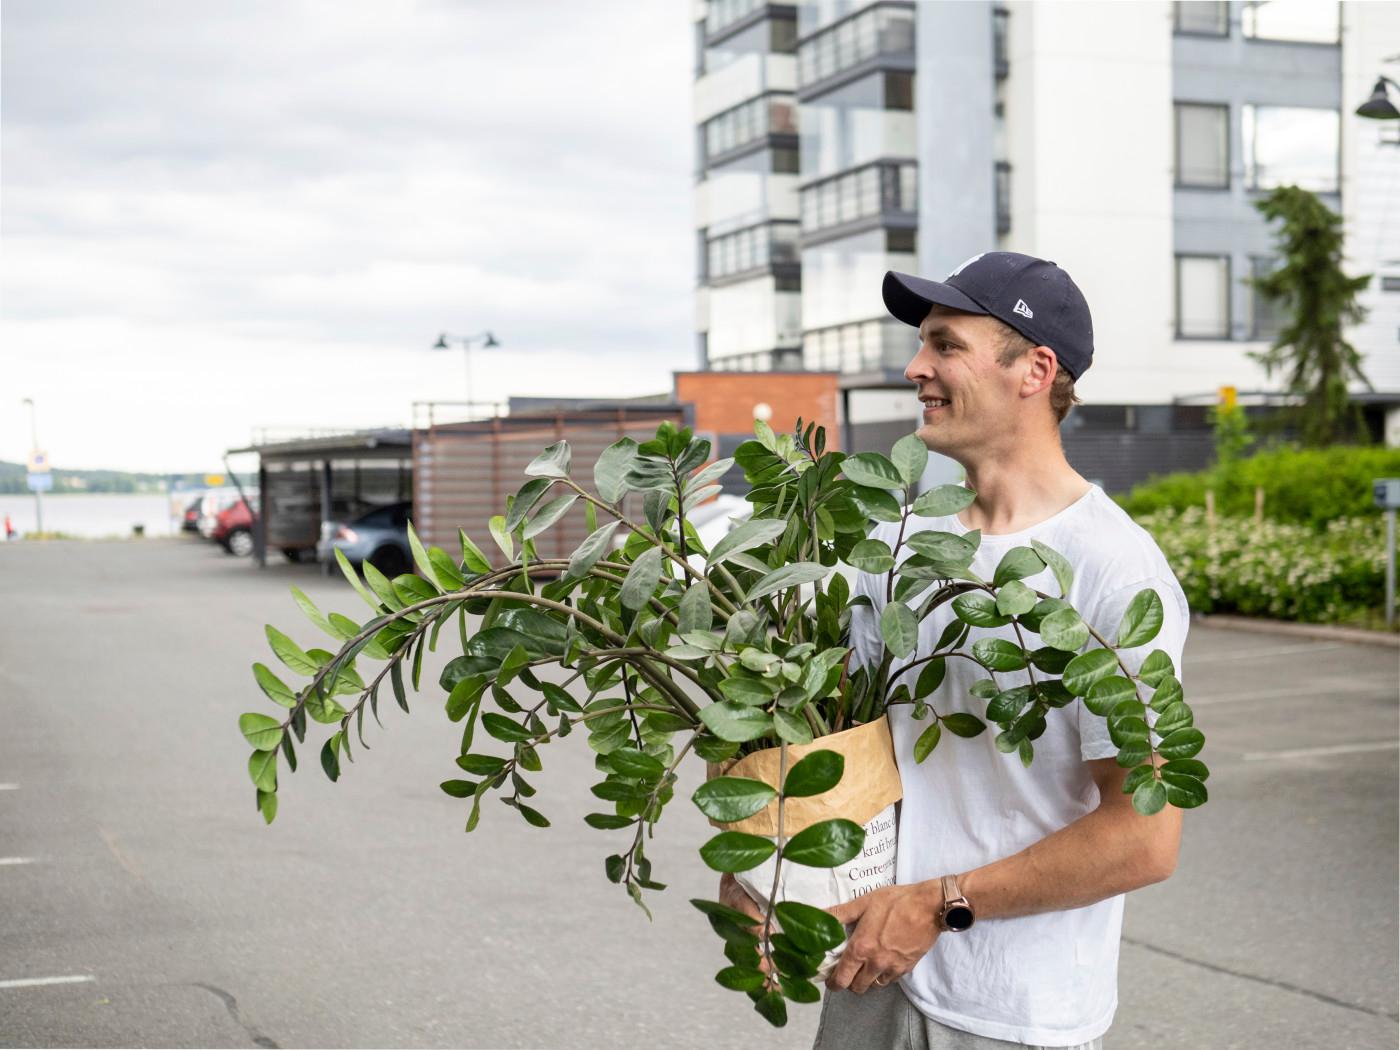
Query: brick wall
724,401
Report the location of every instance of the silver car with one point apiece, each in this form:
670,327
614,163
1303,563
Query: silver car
379,537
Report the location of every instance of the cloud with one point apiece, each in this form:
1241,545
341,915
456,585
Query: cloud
216,216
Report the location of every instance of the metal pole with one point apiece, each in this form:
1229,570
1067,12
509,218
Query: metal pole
34,447
467,357
1390,567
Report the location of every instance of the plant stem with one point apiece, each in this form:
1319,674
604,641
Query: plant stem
777,867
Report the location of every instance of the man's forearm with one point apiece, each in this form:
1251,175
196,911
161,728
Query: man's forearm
1109,851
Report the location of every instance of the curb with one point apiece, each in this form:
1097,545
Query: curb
1354,635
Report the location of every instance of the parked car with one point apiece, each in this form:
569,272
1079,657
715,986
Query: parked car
227,519
189,520
379,537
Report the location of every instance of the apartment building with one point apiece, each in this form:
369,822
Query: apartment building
838,139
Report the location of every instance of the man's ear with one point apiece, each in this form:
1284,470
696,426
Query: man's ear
1041,366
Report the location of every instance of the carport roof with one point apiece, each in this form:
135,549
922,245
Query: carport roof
383,441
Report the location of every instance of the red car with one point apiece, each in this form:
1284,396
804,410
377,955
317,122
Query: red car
228,520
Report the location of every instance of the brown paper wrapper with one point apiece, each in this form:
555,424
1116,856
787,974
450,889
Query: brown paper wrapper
869,783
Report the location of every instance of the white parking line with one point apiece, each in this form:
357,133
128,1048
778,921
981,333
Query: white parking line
35,982
9,787
1281,650
15,860
1318,752
1270,694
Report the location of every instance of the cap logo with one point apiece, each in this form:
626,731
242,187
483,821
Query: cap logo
963,266
1022,309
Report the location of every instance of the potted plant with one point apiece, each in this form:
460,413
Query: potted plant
738,653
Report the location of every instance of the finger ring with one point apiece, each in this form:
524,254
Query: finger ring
882,981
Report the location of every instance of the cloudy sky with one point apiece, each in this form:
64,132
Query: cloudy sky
224,215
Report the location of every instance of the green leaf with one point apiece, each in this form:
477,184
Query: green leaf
290,653
872,556
608,821
330,757
872,470
1184,743
1184,792
727,799
928,740
610,472
262,732
909,456
876,503
525,500
1007,705
943,500
1189,767
772,1009
312,613
1157,666
262,769
380,585
472,557
1150,797
420,556
978,609
998,654
267,805
899,629
449,577
273,687
1168,692
354,578
1015,598
1087,668
1135,778
962,724
695,611
629,762
792,727
740,979
591,550
814,773
1176,716
745,537
735,722
931,677
799,989
553,462
1107,693
1141,621
735,851
811,929
641,579
458,788
548,515
943,546
1051,661
1064,572
1063,629
793,575
825,844
1017,564
503,728
751,692
497,527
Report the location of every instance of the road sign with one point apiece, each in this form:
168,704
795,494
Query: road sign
38,462
40,482
1387,493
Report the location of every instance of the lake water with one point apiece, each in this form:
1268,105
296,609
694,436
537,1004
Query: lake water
96,515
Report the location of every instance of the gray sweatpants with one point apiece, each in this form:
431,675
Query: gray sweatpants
885,1019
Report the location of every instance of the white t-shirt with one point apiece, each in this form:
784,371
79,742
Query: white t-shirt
1049,979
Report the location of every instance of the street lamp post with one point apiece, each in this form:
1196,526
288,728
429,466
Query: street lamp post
486,340
33,453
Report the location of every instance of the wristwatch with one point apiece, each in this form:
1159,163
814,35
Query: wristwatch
956,914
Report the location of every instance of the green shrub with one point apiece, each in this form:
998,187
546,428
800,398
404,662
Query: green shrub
1282,571
1303,486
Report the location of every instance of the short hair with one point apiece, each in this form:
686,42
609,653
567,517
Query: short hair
1015,346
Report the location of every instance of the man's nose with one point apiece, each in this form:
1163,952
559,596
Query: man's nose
921,367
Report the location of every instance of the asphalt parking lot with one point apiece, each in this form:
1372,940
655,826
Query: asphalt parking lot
145,904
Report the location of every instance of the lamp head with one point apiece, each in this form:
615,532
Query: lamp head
1378,106
490,341
441,343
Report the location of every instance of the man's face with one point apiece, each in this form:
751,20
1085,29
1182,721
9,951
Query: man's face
969,399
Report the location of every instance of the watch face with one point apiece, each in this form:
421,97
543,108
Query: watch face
958,917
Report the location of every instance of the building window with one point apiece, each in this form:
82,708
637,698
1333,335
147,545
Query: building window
1000,53
1390,284
1202,145
722,13
749,122
1293,21
899,91
877,30
1201,17
885,187
897,241
752,248
1289,146
1003,196
1266,316
1203,297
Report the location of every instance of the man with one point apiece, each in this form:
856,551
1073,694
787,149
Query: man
1004,923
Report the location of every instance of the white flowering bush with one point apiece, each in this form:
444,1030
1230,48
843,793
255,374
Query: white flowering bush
1283,571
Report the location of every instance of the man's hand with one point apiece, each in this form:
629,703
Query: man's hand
895,928
733,895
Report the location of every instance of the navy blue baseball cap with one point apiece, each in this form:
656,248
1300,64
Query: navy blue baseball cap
1031,295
